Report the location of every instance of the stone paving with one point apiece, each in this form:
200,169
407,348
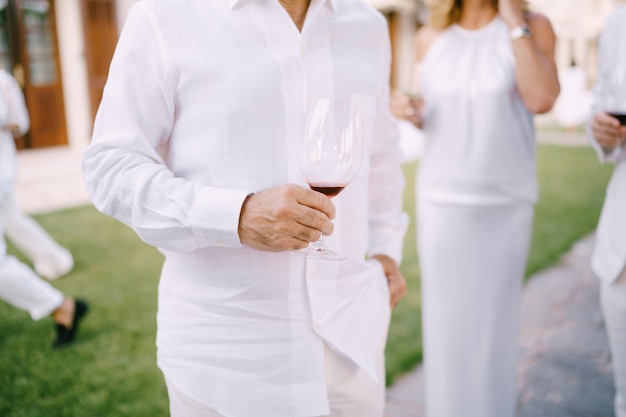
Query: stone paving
564,369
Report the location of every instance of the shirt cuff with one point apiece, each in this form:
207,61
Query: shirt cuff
215,217
613,154
606,155
389,240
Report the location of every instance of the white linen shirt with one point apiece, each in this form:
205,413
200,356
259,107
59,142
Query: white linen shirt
609,254
204,104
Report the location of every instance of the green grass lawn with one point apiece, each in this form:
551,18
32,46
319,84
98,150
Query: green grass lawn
110,371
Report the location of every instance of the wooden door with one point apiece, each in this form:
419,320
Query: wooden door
38,58
101,35
8,46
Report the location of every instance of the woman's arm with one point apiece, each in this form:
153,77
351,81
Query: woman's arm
536,72
403,106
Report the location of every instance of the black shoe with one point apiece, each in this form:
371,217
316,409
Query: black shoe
65,335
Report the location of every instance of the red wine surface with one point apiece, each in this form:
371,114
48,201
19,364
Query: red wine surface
328,188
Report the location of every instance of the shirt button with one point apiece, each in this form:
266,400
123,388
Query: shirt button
317,326
313,273
301,48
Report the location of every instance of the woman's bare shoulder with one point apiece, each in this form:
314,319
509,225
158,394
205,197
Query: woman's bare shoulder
424,37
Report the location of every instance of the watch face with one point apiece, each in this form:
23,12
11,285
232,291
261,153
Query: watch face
520,31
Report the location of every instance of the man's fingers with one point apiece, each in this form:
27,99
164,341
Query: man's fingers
316,201
395,279
397,288
307,234
607,130
606,119
315,221
276,219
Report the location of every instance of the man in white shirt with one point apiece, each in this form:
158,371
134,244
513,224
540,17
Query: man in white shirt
194,148
609,257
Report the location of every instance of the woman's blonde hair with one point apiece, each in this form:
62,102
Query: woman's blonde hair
444,13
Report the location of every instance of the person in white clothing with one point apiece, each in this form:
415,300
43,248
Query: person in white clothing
485,68
194,147
19,285
608,261
50,259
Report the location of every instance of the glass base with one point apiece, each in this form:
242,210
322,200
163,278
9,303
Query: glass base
323,253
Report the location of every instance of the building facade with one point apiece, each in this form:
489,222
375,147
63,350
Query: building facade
60,50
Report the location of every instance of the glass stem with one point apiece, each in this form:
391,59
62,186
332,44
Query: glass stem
319,245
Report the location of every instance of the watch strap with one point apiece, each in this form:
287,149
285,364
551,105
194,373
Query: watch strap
521,31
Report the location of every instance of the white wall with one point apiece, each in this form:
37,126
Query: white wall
577,25
405,30
74,72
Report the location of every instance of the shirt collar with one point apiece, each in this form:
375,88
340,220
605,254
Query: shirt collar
232,4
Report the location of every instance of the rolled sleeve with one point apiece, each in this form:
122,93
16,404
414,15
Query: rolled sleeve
124,169
215,215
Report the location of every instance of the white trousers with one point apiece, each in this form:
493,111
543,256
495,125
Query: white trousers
351,392
22,288
472,261
50,259
613,303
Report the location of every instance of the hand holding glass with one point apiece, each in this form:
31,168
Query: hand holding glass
330,154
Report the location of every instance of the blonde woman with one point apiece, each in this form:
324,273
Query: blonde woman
485,68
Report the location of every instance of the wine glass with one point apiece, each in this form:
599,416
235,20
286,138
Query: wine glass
330,154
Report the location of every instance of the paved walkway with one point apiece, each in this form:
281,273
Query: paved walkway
50,179
564,370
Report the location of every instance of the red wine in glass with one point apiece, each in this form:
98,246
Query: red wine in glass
621,116
330,153
327,188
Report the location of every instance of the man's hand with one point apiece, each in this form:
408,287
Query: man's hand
285,218
607,130
395,279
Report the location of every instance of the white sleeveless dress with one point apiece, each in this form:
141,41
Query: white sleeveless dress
475,192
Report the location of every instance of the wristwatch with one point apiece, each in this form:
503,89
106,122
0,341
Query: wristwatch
521,31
